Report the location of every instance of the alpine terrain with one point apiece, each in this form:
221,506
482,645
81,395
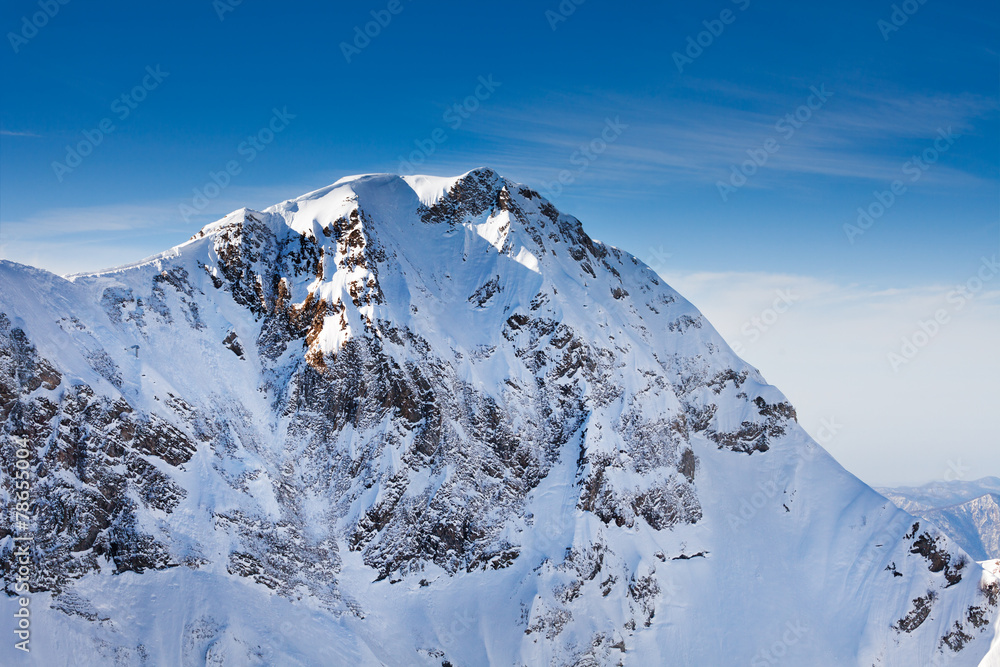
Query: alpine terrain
430,421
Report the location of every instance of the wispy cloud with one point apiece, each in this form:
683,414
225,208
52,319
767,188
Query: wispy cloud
828,352
694,138
12,133
68,240
57,222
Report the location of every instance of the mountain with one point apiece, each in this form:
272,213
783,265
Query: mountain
430,421
968,512
937,495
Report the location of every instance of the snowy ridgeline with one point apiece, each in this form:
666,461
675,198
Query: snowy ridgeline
430,421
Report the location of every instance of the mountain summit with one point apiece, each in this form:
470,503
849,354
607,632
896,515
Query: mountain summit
421,420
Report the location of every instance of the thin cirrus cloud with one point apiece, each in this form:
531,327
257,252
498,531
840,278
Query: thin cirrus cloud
111,235
853,135
931,417
71,240
691,141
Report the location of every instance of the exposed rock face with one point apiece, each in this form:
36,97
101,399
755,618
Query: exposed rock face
91,459
423,382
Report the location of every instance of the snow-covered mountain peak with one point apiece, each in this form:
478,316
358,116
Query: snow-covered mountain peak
438,406
432,189
471,250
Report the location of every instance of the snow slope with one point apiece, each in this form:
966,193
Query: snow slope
414,420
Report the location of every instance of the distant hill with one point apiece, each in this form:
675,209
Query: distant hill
969,512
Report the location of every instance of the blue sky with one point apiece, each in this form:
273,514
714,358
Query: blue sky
559,76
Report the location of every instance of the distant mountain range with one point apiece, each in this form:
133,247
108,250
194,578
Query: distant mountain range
968,512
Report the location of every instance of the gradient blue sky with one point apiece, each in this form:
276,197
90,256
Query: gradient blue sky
652,192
